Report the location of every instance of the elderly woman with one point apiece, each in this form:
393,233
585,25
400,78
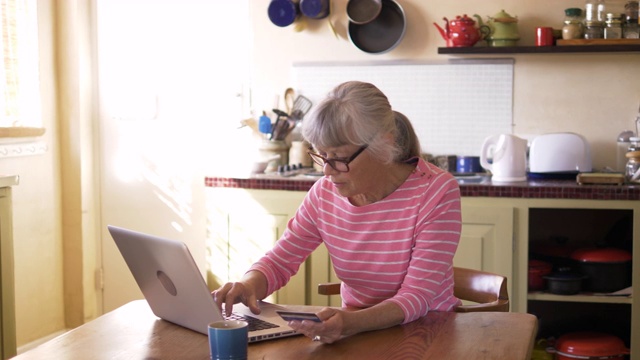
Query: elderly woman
390,221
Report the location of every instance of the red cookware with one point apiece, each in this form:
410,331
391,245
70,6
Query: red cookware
608,269
462,31
590,345
537,270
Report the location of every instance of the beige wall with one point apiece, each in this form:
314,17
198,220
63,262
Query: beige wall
596,95
593,94
37,216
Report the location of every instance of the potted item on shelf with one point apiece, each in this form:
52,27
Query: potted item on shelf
608,269
462,31
504,30
590,345
538,269
564,282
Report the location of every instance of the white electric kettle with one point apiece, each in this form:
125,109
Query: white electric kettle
509,154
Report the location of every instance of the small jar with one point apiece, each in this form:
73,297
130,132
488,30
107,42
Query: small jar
594,30
572,28
631,11
594,10
634,144
614,27
632,171
623,143
631,30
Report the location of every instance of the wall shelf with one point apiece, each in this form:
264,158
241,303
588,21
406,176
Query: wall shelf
539,49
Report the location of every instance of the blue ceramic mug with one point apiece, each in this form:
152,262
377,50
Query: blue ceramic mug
228,339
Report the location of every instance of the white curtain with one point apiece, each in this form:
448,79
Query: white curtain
19,75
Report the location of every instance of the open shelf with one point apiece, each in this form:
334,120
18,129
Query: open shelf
539,49
585,298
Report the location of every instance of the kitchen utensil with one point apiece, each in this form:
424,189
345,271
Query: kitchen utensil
608,269
537,270
363,11
300,108
564,282
504,30
283,12
590,345
557,154
315,9
509,157
276,152
289,95
462,31
383,33
280,126
600,178
264,124
468,164
544,36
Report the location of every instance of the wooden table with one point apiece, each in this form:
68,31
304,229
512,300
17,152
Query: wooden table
133,332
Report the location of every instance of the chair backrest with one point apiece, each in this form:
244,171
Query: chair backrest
486,290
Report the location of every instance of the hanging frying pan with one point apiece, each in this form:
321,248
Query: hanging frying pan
383,33
363,11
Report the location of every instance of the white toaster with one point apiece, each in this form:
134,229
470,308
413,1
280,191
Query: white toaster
559,153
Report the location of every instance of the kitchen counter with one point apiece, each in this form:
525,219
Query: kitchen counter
534,189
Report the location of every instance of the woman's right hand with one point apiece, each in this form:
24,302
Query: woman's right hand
248,291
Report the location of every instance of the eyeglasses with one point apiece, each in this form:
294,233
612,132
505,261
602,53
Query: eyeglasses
338,164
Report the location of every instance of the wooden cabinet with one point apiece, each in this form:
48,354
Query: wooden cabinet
498,235
242,225
585,223
486,242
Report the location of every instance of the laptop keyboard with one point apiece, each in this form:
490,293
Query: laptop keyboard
254,323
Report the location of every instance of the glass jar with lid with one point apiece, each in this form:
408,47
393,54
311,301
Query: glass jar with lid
634,144
632,171
593,30
594,10
613,30
630,26
572,28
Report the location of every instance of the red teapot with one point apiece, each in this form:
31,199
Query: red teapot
462,31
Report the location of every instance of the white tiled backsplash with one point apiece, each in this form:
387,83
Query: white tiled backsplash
453,105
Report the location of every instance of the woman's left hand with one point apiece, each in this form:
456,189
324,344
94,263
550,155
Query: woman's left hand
327,331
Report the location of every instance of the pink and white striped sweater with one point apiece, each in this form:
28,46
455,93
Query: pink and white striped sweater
399,249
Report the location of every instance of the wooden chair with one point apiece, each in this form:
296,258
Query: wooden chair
486,290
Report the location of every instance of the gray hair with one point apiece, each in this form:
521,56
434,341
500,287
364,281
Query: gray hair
358,113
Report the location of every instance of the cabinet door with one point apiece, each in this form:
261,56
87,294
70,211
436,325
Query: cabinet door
486,242
243,226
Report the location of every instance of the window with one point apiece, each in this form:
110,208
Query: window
19,75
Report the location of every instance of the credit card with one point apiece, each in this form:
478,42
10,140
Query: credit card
298,316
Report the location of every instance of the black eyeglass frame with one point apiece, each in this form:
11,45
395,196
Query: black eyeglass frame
321,160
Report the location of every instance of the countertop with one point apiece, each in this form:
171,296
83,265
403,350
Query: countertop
479,187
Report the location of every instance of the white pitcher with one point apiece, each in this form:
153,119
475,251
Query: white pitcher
509,154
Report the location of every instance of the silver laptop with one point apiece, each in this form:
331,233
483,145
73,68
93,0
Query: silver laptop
175,290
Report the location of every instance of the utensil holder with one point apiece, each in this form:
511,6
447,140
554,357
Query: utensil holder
269,148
